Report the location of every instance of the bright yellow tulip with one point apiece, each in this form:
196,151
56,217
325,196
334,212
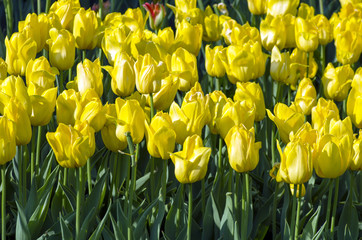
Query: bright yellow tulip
337,81
7,140
86,29
61,48
306,96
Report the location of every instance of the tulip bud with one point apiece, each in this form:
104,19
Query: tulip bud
211,26
236,34
324,112
257,7
61,48
354,100
216,103
356,161
72,146
67,106
19,51
337,81
243,151
92,110
348,47
305,11
7,140
191,163
325,31
299,62
252,92
286,119
86,29
163,99
277,7
65,10
306,96
289,23
280,66
273,32
189,37
306,35
157,14
115,41
215,61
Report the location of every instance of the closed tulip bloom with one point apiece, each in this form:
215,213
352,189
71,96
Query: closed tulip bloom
234,114
72,146
108,132
92,110
282,7
215,61
289,23
216,103
67,106
184,65
305,134
130,118
324,112
165,38
300,61
41,74
337,81
356,161
42,105
325,31
189,37
185,6
236,34
19,51
157,14
306,96
212,26
89,76
286,119
3,69
123,76
305,11
16,113
348,47
257,7
243,151
35,27
191,163
7,140
86,29
251,91
296,165
280,65
273,32
299,192
160,136
61,48
163,99
65,10
306,35
354,99
116,40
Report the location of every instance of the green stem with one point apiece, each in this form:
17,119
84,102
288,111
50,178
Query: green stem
100,12
335,200
329,203
133,182
39,6
24,150
179,207
321,7
84,55
152,177
292,225
189,216
60,82
152,111
219,163
201,5
38,145
3,202
89,176
298,210
65,177
32,6
245,207
203,205
164,180
114,175
80,195
8,17
289,95
307,65
274,213
217,84
47,6
32,155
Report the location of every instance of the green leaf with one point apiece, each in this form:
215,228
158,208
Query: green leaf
155,230
172,224
70,195
311,227
36,220
348,222
83,233
22,230
141,221
227,220
117,232
208,220
142,181
66,233
97,233
319,233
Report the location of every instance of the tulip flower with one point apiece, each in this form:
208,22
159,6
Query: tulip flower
184,65
19,51
277,7
160,136
273,32
354,100
251,91
130,118
243,151
257,7
286,119
68,107
72,146
3,69
35,27
191,163
165,38
157,14
7,140
236,34
348,47
193,15
305,134
40,73
325,31
189,37
86,29
306,96
61,48
356,161
299,62
211,27
306,11
337,81
306,35
108,132
163,99
65,10
324,112
134,15
289,23
216,103
215,61
299,193
280,67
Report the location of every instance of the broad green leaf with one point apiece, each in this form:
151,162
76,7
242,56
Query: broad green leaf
22,230
97,233
84,230
348,222
66,233
140,223
227,220
310,229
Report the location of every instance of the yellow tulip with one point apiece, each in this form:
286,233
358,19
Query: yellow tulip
191,163
324,112
356,161
134,19
299,60
19,51
257,7
298,192
325,31
215,61
306,96
189,37
166,38
296,165
185,6
7,140
282,7
16,113
234,114
72,146
68,107
280,66
3,69
252,92
130,118
346,2
42,105
108,132
216,103
286,119
348,47
273,32
337,81
184,65
243,151
306,11
86,29
306,35
40,73
65,10
289,23
160,136
35,27
163,99
305,134
61,48
211,26
236,34
354,99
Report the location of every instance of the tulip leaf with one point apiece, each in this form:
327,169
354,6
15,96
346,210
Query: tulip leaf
66,233
117,232
348,222
142,181
263,215
70,194
97,233
22,230
36,221
121,218
311,227
319,233
141,221
83,233
208,220
173,219
155,230
56,205
46,168
227,220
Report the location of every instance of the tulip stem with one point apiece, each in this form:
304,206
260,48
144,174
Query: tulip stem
299,190
274,213
189,216
24,167
329,203
38,145
164,180
47,5
9,17
65,177
307,74
220,164
84,55
152,113
245,207
32,155
3,201
292,225
335,200
100,11
80,195
39,6
321,7
89,176
133,181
